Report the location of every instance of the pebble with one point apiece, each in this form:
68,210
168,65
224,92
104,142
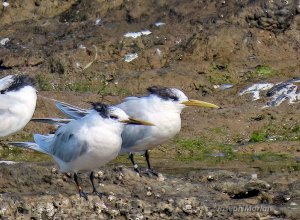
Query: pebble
4,41
111,198
254,176
54,170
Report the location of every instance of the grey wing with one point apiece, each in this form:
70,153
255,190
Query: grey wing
64,144
133,106
68,147
72,111
53,121
132,135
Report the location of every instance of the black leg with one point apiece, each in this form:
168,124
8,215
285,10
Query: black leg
149,170
147,156
92,177
81,193
135,166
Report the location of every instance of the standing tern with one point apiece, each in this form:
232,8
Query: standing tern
87,143
17,103
162,106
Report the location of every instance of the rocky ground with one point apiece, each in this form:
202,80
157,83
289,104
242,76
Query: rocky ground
237,162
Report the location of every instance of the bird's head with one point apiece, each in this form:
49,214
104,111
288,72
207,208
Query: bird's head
12,83
178,98
118,115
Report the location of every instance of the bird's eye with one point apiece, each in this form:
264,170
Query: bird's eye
114,117
174,98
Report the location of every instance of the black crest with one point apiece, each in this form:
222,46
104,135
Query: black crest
163,92
101,108
19,82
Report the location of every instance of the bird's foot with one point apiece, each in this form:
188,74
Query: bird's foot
137,169
83,194
100,194
151,173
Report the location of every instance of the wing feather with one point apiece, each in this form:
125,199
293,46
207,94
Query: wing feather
133,135
64,144
72,111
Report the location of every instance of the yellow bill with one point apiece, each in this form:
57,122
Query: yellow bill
198,103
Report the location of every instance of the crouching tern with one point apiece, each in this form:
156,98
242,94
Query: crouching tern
162,107
17,103
86,143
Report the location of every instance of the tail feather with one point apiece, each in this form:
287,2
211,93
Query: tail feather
71,111
42,140
28,145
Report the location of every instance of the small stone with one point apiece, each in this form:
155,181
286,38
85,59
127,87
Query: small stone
139,216
64,178
160,177
149,193
171,201
210,178
254,176
99,174
54,170
111,198
209,214
187,208
275,212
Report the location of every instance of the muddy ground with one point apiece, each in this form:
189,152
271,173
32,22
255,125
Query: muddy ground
237,162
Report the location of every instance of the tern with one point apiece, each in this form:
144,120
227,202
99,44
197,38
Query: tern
162,107
17,103
87,143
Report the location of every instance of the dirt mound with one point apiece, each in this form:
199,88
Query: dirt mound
217,38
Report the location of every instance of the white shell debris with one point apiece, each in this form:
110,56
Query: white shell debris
137,34
158,24
278,93
4,41
158,51
77,64
8,162
256,88
98,21
130,57
254,176
5,4
223,86
82,47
